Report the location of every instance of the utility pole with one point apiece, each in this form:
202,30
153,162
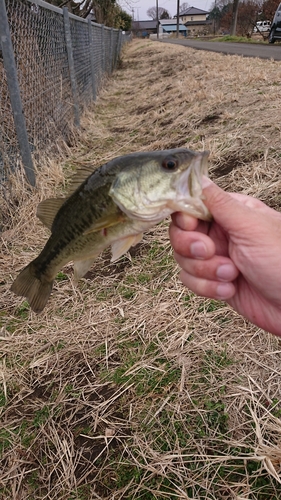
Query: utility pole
215,17
234,17
178,17
157,20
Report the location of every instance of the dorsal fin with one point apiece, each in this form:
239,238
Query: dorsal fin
80,176
48,209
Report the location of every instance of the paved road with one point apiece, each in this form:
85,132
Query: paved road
263,51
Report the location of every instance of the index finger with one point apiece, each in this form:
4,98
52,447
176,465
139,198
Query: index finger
188,223
185,221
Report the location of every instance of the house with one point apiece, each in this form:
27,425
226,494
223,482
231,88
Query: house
143,29
169,26
196,21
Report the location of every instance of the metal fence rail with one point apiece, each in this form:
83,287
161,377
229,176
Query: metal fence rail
55,61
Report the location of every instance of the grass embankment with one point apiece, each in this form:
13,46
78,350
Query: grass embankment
128,386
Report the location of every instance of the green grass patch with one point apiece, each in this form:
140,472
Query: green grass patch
61,276
60,344
186,299
26,433
5,440
41,416
143,278
104,293
211,305
82,493
22,311
2,399
236,39
157,379
216,360
126,292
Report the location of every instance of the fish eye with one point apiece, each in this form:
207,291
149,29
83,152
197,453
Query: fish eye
170,164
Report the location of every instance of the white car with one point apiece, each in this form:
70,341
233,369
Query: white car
262,26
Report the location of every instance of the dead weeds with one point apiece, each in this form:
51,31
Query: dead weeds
128,386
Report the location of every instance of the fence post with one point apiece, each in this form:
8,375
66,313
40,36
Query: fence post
111,51
92,59
102,49
118,45
14,92
67,33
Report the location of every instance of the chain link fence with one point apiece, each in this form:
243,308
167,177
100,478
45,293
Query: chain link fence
56,63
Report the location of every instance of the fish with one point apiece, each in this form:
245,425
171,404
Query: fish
112,205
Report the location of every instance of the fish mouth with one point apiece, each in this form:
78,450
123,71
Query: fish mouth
188,186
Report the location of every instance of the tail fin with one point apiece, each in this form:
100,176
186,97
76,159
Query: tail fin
36,291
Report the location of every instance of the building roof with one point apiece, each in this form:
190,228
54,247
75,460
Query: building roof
144,25
193,11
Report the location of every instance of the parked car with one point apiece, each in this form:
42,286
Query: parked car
275,30
262,26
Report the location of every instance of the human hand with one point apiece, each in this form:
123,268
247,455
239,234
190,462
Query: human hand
236,257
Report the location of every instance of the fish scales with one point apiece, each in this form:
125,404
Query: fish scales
112,205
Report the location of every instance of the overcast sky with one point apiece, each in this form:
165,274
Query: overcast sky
141,6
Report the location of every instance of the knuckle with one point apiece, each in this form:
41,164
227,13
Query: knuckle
200,268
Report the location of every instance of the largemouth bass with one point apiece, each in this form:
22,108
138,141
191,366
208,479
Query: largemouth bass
112,205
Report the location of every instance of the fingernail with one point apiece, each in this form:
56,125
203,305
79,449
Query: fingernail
225,272
224,291
198,250
206,182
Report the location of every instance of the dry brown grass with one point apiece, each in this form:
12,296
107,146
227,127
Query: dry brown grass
128,386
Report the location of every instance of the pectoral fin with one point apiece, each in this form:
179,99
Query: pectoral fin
106,221
118,248
82,266
48,209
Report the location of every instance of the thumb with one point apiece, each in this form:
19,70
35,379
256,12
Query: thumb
229,212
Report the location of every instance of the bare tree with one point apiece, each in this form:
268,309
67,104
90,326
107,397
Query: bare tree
151,12
165,15
79,8
183,7
107,12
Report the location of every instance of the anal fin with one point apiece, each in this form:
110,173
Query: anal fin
82,266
